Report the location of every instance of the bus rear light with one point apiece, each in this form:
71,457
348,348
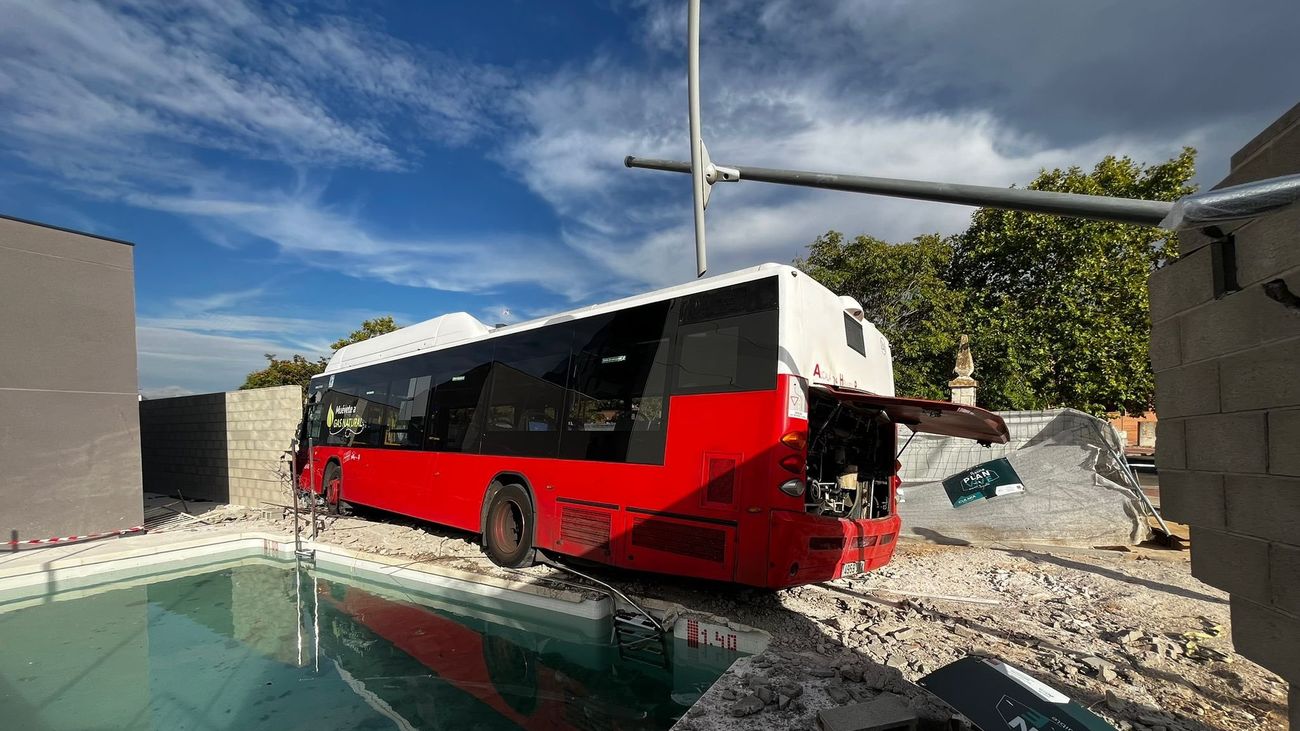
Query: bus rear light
866,541
895,482
887,539
795,440
793,463
793,488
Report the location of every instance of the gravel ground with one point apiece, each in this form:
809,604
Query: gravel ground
1133,636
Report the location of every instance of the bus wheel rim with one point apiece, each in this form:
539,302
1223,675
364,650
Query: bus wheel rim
508,527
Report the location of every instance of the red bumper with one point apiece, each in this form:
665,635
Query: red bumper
806,549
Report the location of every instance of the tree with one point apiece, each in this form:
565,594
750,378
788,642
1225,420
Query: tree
369,329
296,370
299,370
1056,308
903,290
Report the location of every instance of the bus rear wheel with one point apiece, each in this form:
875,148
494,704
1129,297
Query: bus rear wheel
508,528
332,491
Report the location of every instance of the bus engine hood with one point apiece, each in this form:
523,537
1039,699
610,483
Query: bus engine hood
929,417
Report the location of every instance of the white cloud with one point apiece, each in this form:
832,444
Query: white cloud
637,223
173,359
329,237
88,86
126,99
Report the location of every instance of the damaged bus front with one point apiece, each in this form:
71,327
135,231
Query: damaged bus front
838,460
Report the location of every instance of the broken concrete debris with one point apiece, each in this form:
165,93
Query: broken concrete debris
747,706
1057,608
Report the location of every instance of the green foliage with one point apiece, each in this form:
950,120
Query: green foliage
369,329
1056,308
299,370
903,290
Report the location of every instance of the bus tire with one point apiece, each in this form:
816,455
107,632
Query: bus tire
508,528
332,490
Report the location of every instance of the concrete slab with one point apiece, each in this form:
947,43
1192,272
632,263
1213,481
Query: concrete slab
888,712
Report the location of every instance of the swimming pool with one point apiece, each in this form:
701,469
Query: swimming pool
257,642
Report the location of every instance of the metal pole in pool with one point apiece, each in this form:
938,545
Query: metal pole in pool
297,531
311,461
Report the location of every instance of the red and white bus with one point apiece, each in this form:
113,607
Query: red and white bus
739,428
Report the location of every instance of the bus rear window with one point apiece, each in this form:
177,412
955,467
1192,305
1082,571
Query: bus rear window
853,334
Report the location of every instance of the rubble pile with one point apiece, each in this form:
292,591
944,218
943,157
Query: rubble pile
1132,636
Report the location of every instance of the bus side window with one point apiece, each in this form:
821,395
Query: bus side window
619,387
529,373
411,399
730,354
376,414
457,407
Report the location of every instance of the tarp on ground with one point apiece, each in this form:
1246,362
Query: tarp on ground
1077,491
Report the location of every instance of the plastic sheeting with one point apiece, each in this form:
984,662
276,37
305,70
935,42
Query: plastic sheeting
1078,491
1235,203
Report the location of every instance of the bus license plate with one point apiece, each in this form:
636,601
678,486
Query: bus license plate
853,568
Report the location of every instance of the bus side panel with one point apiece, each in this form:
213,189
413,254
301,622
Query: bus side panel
396,480
718,467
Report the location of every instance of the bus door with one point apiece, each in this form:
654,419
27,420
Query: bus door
388,467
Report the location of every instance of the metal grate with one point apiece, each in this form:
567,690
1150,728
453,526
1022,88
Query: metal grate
721,487
585,527
709,544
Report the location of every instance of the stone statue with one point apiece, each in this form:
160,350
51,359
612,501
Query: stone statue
965,363
963,386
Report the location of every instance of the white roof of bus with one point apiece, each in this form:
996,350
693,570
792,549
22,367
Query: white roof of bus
458,328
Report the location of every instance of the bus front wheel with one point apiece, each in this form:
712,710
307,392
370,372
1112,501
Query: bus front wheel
332,490
508,529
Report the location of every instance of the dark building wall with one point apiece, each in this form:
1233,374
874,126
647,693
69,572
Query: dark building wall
69,413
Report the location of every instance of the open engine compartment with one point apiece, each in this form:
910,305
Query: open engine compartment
850,459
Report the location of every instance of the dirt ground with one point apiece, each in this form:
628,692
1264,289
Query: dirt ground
1131,635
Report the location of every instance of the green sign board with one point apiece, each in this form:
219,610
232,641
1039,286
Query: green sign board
995,695
983,481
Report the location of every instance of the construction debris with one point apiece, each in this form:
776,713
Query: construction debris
1105,628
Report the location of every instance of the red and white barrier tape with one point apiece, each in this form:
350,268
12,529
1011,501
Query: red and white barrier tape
69,539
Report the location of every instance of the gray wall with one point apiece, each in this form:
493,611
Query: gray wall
69,427
221,446
1228,395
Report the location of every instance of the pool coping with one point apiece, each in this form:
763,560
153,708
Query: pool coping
64,572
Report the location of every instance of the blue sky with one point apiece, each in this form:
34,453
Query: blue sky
287,170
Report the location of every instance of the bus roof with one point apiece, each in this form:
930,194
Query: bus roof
457,328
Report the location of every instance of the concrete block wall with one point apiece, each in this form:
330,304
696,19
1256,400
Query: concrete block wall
1228,394
220,446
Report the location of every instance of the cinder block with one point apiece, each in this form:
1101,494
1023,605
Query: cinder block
1228,443
1266,635
1268,154
1284,576
1237,564
886,712
1260,378
1284,442
1268,246
1265,507
1166,348
1188,390
1223,326
1171,445
1182,285
1195,498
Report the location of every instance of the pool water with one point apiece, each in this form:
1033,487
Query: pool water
264,644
